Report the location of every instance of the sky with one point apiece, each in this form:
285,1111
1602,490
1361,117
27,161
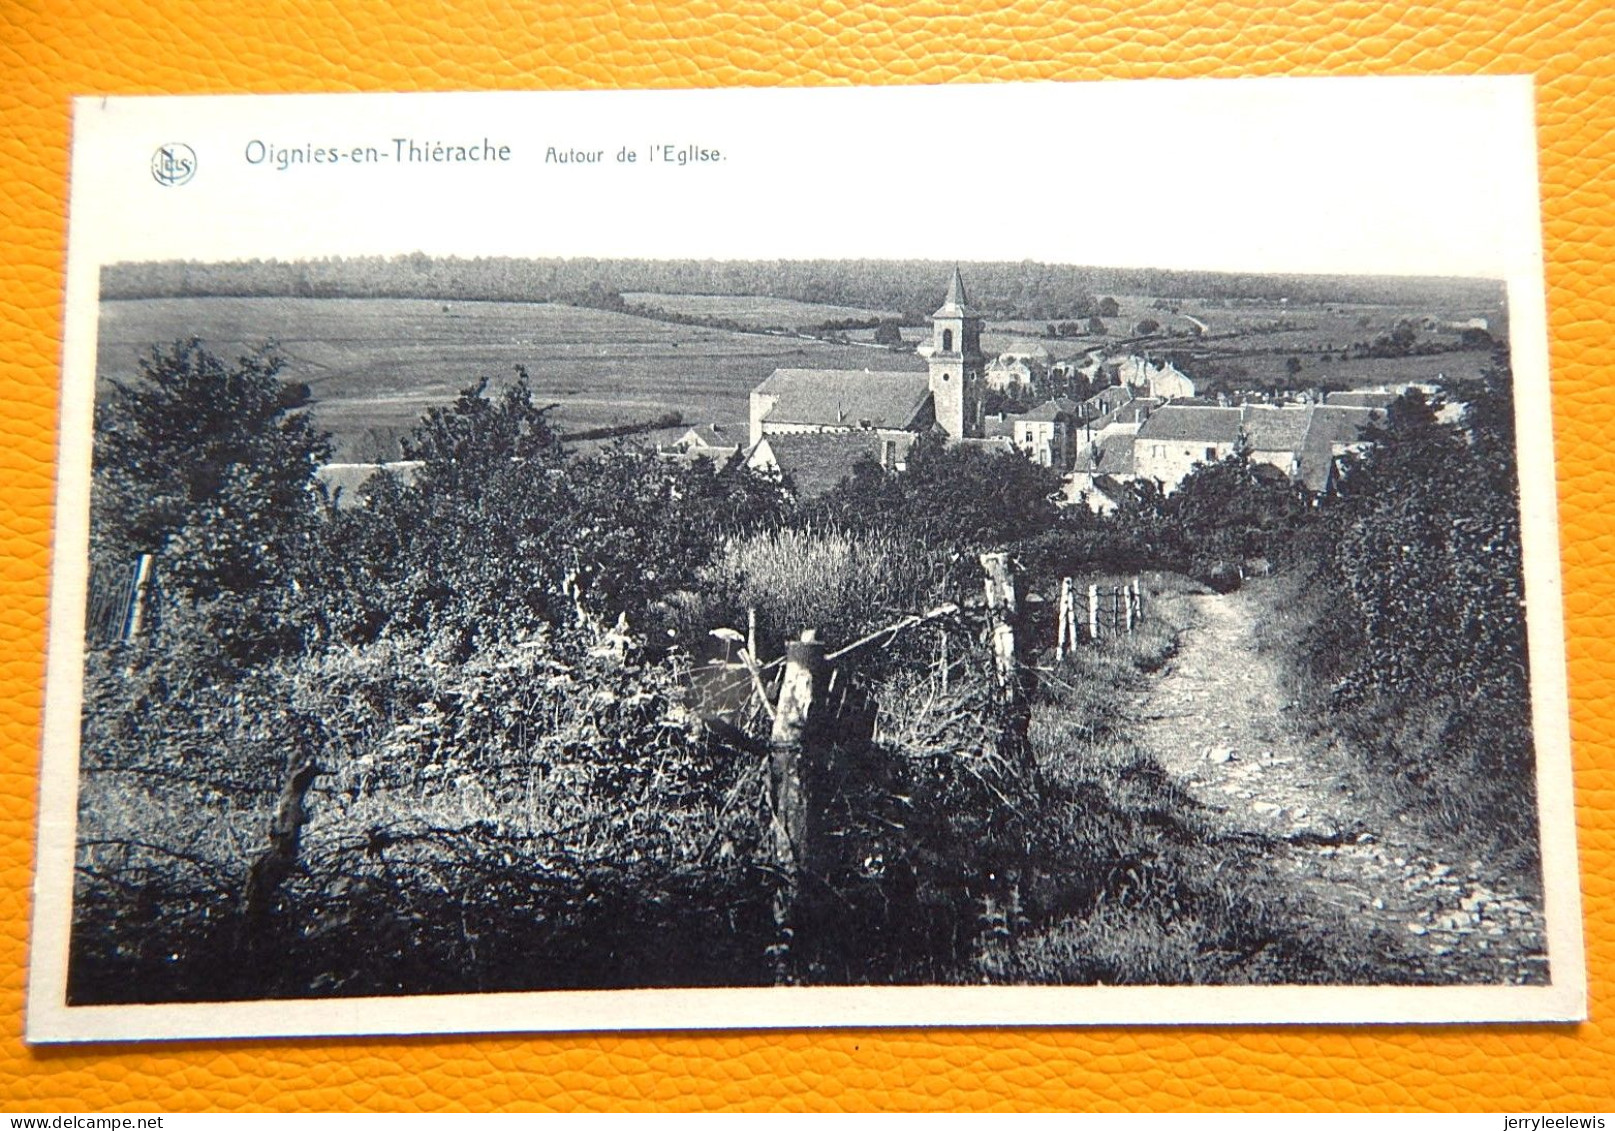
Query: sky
1412,176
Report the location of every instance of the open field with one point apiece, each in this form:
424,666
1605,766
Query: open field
755,311
375,365
1365,372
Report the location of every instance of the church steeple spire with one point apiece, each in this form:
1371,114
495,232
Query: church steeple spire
956,362
957,303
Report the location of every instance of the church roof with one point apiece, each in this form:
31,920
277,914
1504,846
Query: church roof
852,398
957,303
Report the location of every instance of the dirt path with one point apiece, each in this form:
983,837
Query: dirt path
1217,720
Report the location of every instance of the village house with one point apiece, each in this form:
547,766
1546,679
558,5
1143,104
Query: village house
814,462
1303,441
1010,376
1104,402
1175,438
716,442
1100,471
1109,411
1019,369
1043,435
1163,381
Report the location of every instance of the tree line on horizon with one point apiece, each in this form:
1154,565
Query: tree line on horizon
909,287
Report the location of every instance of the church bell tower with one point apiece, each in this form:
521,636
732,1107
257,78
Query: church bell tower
957,364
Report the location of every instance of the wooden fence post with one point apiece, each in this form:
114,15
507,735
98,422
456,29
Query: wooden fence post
275,863
751,634
1126,594
1062,629
1003,611
800,698
1138,598
138,598
1093,612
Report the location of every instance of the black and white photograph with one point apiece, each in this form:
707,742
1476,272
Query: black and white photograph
744,559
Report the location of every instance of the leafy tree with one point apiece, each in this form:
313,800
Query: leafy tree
1109,308
1225,512
1430,549
1096,325
477,437
1146,326
951,496
210,466
503,533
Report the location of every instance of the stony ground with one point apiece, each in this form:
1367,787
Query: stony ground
1216,718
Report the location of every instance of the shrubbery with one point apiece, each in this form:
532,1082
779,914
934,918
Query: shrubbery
513,787
1412,592
491,668
542,815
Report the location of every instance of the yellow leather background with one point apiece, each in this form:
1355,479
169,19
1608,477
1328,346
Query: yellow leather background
53,49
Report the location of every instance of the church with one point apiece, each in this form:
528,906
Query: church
815,424
850,400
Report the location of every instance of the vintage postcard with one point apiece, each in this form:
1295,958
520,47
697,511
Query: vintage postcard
1028,554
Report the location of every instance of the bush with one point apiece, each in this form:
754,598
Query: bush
841,583
540,817
503,533
209,466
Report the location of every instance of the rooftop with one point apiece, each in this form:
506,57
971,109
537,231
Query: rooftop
1275,429
1362,398
1048,410
715,435
1192,423
1341,424
816,461
1111,456
854,398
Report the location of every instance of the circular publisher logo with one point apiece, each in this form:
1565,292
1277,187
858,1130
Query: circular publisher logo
173,164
